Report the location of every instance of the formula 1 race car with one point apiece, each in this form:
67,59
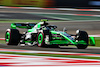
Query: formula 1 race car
44,35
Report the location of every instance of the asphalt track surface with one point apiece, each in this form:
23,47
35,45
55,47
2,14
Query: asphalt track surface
92,27
22,16
61,49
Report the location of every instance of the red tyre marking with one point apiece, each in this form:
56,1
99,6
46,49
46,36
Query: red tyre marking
43,39
10,35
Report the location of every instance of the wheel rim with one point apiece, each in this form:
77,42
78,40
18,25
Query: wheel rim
7,37
40,39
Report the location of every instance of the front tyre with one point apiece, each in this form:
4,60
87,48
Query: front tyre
82,35
40,39
12,37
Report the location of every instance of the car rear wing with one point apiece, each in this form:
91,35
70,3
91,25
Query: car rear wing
22,25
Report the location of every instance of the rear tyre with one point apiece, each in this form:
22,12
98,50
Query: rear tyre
82,35
12,37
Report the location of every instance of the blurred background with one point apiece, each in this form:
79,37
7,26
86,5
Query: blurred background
72,14
52,3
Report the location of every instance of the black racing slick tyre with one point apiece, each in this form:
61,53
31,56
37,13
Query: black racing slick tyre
82,35
40,39
12,37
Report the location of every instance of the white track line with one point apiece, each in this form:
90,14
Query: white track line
49,52
69,14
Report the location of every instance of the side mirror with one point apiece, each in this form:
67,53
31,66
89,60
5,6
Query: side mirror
64,29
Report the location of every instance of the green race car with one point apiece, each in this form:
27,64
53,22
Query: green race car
44,35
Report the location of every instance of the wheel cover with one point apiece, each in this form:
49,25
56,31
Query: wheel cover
7,37
40,39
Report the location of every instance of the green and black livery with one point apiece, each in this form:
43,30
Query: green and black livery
44,35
